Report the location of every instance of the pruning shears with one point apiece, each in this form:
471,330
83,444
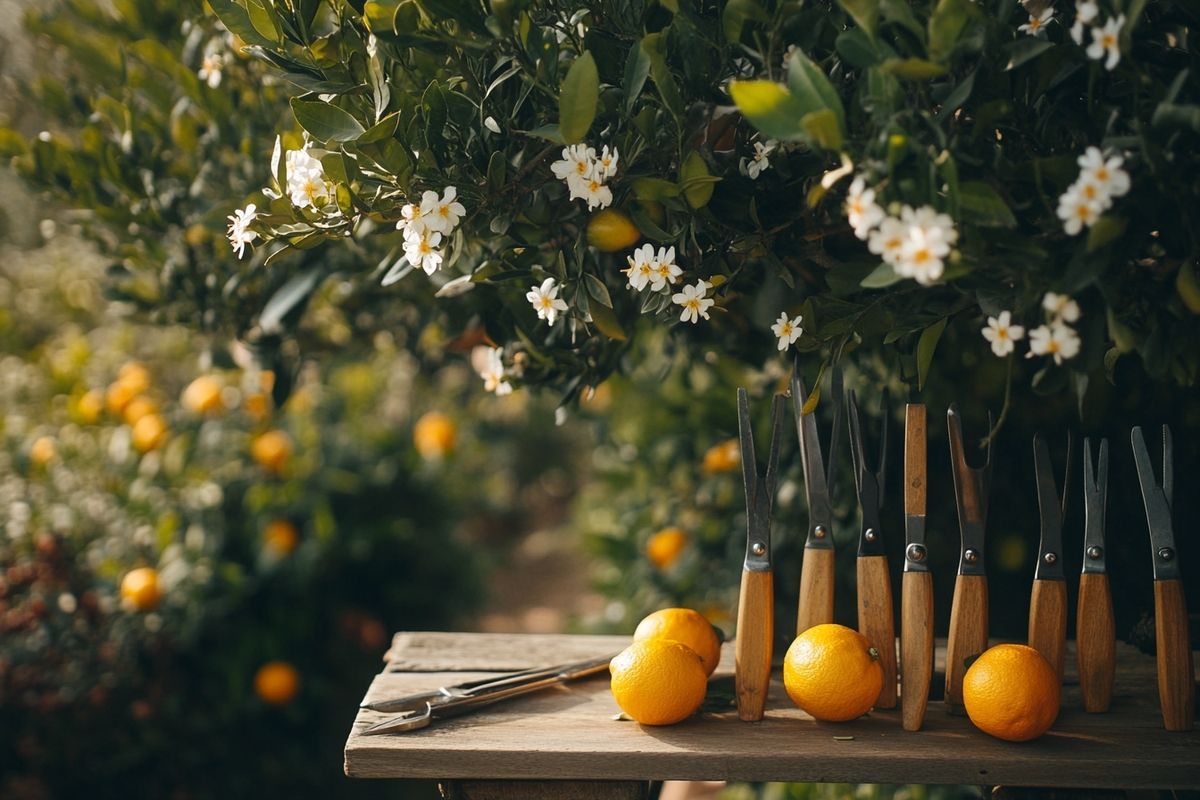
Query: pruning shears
1048,602
916,593
1095,628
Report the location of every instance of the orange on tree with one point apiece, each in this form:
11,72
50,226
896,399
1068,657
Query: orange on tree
658,681
149,432
271,450
276,682
41,451
137,408
280,537
90,406
832,673
134,375
118,396
611,230
434,435
687,627
257,405
664,547
139,588
203,395
1011,692
723,457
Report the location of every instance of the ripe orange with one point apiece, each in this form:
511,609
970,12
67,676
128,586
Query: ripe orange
658,682
257,405
134,375
139,588
611,230
832,673
434,435
137,408
90,406
271,450
687,627
723,457
1011,692
664,547
280,537
149,432
118,396
41,451
276,682
203,395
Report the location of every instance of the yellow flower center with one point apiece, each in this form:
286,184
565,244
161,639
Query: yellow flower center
922,256
1109,40
444,210
1083,211
1089,191
580,167
1102,173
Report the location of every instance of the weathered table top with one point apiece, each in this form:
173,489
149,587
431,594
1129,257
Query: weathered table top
570,733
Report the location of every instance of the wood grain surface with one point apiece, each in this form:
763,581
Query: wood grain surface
570,733
1048,622
916,647
875,620
915,453
968,631
1095,634
1176,673
755,636
816,589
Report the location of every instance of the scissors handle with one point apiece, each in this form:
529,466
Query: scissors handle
968,632
816,589
1048,621
916,647
875,620
755,635
1095,641
1176,674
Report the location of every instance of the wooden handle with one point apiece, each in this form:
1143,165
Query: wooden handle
816,589
916,647
1176,677
875,620
968,631
914,459
1048,622
755,634
1095,641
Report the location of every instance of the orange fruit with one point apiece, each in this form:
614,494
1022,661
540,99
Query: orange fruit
658,682
723,457
276,682
664,547
434,435
118,396
271,450
41,451
135,376
832,673
137,408
280,537
257,405
90,406
139,588
203,395
687,627
611,230
1011,692
149,432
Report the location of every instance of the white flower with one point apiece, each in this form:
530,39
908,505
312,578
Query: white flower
306,180
491,124
920,257
1003,334
1106,41
1107,174
210,69
787,55
606,163
665,271
886,240
862,210
642,267
1086,12
1061,307
935,227
592,190
1057,339
1076,211
760,162
240,234
420,248
578,161
694,302
443,213
492,371
545,300
1036,24
411,219
788,330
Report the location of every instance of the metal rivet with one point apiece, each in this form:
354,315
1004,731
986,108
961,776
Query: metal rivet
1095,552
870,535
1166,553
915,552
1050,558
819,532
758,548
970,556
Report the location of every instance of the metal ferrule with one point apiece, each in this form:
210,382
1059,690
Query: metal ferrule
758,553
1094,553
1049,565
970,558
870,541
1166,558
820,537
916,556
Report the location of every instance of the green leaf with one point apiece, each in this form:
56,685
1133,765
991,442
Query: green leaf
1024,49
654,188
865,14
736,14
577,99
883,277
1105,231
982,205
857,49
823,127
914,69
326,123
606,322
926,347
945,26
637,69
597,289
808,83
900,12
655,45
262,17
288,298
692,173
770,107
234,17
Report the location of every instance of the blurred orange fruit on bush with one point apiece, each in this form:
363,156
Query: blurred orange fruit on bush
135,376
149,432
723,457
280,537
434,435
611,230
658,681
1011,692
257,405
90,406
139,588
271,450
832,673
118,396
687,627
664,547
203,395
41,451
276,682
137,408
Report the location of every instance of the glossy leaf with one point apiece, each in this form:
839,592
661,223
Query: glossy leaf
926,347
325,122
770,107
577,99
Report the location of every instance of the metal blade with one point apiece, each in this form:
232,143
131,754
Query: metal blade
1049,563
758,501
1158,510
970,494
820,508
1095,493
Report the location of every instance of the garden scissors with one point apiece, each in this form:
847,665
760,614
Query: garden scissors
1048,602
1176,678
875,620
1095,629
969,609
817,571
418,710
756,601
916,593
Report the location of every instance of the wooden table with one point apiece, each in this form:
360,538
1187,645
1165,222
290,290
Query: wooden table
570,734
